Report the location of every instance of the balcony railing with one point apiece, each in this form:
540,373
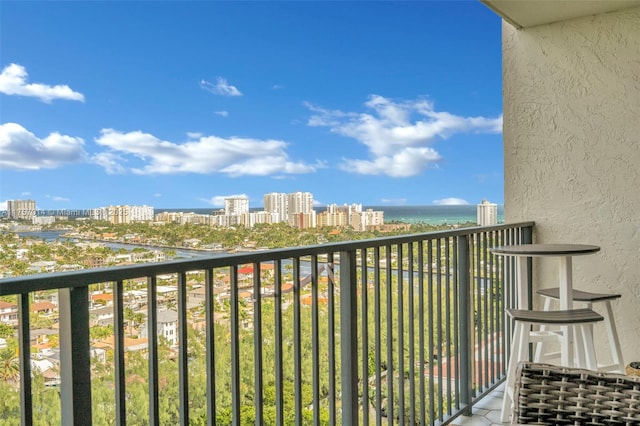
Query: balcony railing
397,330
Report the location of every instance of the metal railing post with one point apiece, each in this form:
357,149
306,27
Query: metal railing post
75,356
348,338
466,325
24,345
527,238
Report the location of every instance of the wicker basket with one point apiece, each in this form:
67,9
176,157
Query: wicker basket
633,369
551,395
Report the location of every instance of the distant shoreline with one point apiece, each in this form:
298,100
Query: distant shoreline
410,214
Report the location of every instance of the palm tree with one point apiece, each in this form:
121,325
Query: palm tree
133,318
9,366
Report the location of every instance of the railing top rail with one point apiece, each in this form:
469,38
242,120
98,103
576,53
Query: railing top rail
51,281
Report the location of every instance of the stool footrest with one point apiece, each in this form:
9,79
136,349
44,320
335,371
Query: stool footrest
578,295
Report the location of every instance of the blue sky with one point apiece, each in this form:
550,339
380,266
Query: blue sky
179,104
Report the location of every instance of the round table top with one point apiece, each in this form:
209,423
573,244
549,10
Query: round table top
545,249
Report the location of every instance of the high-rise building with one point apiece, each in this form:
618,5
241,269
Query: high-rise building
141,213
303,220
118,214
336,215
366,220
300,202
21,209
300,210
333,218
351,215
123,214
276,202
487,213
235,206
289,208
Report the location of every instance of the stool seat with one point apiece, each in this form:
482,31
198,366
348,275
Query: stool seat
566,317
579,295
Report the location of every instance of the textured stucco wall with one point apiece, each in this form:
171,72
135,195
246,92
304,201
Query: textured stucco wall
572,150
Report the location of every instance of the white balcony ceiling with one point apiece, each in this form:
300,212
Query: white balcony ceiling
529,13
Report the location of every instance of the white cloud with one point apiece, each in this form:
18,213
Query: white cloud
277,87
206,154
218,200
13,81
3,205
222,113
110,162
398,135
451,202
407,162
326,117
57,198
394,201
222,87
22,150
157,195
268,165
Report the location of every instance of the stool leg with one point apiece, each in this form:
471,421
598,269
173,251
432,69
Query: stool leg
519,352
609,321
580,345
590,329
589,349
539,353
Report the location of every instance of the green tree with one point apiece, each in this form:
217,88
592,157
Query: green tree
9,366
99,332
133,318
46,402
6,331
39,321
9,404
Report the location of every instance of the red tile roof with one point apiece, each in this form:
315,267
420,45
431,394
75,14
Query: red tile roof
43,306
102,296
5,305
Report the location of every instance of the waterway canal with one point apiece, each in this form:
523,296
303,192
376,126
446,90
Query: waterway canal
180,252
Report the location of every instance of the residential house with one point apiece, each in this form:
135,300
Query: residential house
102,316
48,370
167,327
8,313
101,299
43,308
195,296
43,266
129,345
39,338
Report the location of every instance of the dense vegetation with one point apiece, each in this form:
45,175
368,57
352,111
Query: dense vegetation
261,235
46,400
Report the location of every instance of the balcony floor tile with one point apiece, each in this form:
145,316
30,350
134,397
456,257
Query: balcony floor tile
486,412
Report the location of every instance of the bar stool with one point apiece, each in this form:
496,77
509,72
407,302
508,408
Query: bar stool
580,320
588,299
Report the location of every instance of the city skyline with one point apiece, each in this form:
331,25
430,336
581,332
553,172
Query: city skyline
268,205
376,103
